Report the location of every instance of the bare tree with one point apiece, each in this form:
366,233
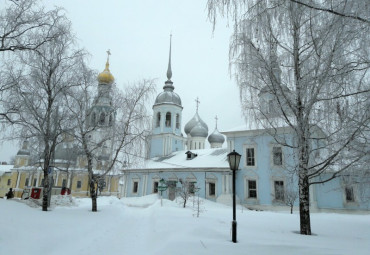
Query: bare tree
198,203
331,7
40,80
290,194
186,191
119,137
308,71
26,25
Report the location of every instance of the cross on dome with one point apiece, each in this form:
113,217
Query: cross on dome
108,53
197,102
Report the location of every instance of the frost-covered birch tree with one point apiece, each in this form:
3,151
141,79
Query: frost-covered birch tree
315,67
40,80
127,131
25,26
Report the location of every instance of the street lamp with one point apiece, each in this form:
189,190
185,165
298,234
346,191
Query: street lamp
234,160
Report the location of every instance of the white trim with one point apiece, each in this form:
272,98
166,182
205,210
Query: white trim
250,146
246,189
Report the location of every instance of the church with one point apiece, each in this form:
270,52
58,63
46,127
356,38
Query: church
69,161
263,181
189,154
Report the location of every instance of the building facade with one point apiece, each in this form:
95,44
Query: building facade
267,179
69,161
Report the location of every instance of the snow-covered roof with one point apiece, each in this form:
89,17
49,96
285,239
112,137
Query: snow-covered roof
260,125
5,168
206,158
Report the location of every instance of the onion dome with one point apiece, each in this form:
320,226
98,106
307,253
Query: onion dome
168,96
106,76
199,131
193,122
216,137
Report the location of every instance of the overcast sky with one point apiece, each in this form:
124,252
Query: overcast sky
137,34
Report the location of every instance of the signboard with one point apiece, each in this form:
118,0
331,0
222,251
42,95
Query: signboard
50,169
162,186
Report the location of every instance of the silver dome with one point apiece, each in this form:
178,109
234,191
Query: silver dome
193,122
199,131
216,137
168,97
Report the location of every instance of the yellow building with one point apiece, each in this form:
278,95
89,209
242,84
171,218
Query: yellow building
77,180
69,162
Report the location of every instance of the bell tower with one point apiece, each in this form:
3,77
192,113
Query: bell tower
166,134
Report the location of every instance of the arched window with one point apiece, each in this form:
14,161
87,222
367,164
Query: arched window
168,119
177,121
158,120
102,118
110,120
93,118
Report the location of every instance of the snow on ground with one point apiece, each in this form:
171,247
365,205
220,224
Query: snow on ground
142,226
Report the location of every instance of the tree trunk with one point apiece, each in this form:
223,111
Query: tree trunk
304,204
291,209
45,195
93,196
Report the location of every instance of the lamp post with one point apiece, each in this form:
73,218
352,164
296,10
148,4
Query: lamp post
234,160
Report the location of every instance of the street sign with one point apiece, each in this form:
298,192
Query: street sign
162,186
50,169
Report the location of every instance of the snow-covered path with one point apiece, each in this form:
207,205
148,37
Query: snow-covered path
142,226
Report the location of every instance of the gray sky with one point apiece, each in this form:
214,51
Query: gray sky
137,34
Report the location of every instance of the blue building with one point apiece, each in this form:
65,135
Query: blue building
266,179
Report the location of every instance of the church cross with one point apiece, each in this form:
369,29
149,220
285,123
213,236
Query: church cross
197,102
216,121
108,53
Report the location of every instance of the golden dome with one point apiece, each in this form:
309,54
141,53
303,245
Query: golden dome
106,76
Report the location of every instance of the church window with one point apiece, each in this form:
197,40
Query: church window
79,184
270,106
177,121
42,182
279,190
26,182
349,194
64,183
168,119
158,120
250,157
212,188
110,119
252,188
277,155
135,187
9,182
102,118
93,118
34,182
